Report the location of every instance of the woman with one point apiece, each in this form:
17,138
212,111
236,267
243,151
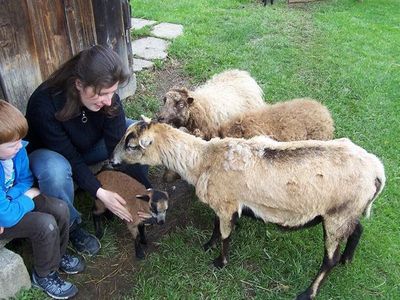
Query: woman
76,119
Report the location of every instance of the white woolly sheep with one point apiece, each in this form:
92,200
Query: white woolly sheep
137,198
204,109
291,184
294,120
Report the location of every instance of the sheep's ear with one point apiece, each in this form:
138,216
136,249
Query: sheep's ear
145,142
143,197
145,119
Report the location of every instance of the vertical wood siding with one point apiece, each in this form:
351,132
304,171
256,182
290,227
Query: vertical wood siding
37,36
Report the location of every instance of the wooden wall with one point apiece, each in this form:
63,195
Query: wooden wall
36,36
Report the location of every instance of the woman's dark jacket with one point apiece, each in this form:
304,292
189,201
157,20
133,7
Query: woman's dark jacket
72,138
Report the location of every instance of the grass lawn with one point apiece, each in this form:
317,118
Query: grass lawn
343,53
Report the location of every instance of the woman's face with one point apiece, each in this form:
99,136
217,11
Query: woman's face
95,101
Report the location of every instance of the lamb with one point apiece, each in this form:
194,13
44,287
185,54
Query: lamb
291,184
294,120
203,110
151,201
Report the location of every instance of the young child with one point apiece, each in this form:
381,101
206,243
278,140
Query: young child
25,213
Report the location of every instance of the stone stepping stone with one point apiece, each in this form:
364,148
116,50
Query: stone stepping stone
150,48
167,30
138,23
140,64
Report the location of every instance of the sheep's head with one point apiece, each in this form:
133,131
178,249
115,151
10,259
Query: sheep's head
158,204
133,147
176,107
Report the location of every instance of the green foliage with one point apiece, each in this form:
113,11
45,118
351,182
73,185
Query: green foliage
139,33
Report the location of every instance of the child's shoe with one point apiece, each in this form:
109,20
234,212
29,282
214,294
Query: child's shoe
71,264
84,242
54,286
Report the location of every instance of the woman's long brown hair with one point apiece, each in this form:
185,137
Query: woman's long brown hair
99,67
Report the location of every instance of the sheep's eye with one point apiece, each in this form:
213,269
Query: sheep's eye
133,148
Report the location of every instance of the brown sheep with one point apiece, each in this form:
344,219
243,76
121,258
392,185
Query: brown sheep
292,184
153,202
294,120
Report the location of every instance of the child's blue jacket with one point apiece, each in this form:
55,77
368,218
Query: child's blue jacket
13,203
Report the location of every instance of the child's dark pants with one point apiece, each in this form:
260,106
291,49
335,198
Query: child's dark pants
47,227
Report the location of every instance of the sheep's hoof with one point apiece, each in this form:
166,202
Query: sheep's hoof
143,241
209,245
219,262
139,254
345,259
304,296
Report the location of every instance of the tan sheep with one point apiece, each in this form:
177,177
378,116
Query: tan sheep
137,198
203,110
294,120
291,184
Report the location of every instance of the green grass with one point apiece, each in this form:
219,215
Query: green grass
343,53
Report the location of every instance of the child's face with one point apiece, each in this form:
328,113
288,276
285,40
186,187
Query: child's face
10,149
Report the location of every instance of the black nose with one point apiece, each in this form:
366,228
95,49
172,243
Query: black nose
113,164
161,222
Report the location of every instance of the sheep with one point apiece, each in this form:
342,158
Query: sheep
297,119
291,184
151,201
294,120
265,2
203,110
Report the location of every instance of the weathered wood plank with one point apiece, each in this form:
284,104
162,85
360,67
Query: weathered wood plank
80,24
19,64
112,18
50,34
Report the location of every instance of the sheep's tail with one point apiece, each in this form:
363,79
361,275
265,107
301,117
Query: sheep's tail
379,184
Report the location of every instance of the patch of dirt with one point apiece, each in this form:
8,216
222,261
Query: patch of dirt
112,278
168,77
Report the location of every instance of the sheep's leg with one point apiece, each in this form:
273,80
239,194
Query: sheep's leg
216,234
225,229
331,258
98,224
138,247
351,244
98,211
142,234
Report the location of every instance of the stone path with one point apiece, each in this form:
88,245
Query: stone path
155,47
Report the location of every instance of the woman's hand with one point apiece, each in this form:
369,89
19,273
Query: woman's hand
1,230
32,193
143,216
115,203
